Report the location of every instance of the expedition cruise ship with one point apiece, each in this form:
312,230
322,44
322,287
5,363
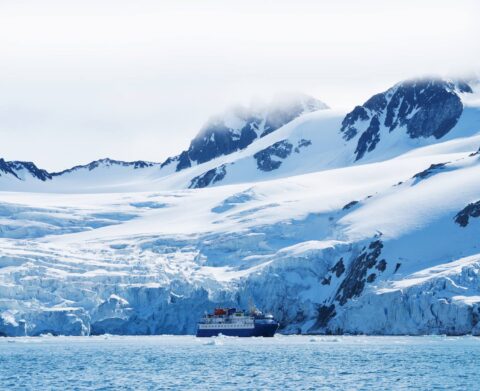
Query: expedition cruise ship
230,322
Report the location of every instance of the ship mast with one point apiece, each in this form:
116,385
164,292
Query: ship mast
251,305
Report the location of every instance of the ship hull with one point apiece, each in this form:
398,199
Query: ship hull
260,330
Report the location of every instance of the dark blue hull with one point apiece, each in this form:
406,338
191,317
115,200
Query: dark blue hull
260,330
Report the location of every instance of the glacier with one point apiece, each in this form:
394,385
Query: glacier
328,239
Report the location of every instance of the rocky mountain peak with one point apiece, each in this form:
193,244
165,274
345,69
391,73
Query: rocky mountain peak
423,107
239,126
20,169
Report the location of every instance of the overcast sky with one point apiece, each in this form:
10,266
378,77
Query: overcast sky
82,80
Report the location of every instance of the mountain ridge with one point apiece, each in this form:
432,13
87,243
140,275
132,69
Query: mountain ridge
260,121
411,98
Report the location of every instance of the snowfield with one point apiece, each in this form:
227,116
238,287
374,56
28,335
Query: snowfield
387,243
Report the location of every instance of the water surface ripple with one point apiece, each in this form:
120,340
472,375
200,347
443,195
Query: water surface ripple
188,363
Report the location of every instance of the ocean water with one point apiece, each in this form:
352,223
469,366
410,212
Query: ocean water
279,363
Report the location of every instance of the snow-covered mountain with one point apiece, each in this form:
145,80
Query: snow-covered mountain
421,108
224,134
23,171
239,127
359,222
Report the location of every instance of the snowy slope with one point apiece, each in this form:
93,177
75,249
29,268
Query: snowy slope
232,131
385,244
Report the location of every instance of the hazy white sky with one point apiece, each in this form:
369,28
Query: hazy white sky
82,80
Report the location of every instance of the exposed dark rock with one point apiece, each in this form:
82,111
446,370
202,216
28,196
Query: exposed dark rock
219,138
183,161
348,124
397,266
14,167
429,171
6,169
325,313
371,278
106,163
327,280
302,144
142,164
209,178
350,205
339,268
382,265
41,174
425,108
267,158
170,160
436,105
477,152
471,210
354,281
369,139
